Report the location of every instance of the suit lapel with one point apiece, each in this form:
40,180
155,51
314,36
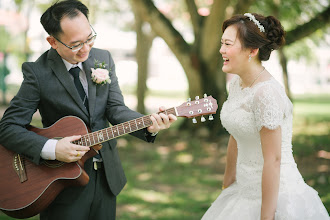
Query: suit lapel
88,64
62,74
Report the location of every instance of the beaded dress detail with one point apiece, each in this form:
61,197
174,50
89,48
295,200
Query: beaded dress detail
243,115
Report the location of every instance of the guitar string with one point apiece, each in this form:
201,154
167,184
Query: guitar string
120,127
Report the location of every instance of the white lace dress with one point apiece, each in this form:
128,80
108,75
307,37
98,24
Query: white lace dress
243,115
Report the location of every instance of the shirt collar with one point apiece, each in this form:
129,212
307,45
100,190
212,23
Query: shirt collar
70,65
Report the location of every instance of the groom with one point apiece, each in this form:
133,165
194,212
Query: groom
52,86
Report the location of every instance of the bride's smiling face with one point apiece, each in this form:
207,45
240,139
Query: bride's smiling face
234,55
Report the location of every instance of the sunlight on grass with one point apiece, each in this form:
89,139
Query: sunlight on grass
151,196
184,158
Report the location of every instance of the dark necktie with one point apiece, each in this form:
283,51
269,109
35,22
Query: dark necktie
75,73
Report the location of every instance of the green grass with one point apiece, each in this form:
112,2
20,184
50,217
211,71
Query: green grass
180,175
311,125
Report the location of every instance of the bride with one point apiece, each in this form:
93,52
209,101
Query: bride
261,179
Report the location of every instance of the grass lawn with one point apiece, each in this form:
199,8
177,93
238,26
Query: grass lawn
179,176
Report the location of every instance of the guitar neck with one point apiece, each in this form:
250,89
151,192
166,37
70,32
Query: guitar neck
112,132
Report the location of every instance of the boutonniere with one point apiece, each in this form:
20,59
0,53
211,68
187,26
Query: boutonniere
100,74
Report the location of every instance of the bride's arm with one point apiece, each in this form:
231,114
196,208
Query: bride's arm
271,150
230,171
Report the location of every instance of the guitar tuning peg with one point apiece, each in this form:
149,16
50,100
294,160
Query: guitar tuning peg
205,95
194,120
203,119
197,98
211,118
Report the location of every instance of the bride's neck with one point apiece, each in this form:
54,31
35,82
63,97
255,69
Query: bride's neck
250,75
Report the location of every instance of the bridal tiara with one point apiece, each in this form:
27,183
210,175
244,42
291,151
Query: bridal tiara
255,21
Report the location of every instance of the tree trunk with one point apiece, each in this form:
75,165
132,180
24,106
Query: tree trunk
284,64
143,44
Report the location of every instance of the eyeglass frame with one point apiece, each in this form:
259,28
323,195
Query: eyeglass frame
81,45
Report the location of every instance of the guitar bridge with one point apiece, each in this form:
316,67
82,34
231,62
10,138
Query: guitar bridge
18,164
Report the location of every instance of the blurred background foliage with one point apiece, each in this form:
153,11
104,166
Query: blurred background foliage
180,175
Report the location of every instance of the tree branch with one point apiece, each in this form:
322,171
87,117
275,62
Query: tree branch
301,31
243,6
162,26
210,42
196,19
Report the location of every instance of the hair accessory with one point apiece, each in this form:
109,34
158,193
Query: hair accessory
255,21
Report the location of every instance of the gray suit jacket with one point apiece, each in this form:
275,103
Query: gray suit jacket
48,87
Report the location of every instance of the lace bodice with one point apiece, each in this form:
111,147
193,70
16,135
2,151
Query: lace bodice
243,115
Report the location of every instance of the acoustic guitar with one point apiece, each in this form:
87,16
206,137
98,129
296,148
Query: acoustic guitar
26,188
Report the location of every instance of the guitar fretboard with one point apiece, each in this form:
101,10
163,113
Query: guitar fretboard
112,132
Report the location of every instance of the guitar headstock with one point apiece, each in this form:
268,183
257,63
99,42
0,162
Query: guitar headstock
198,107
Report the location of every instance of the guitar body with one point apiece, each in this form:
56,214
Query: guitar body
26,188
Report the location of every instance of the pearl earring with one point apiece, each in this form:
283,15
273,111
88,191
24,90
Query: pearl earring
250,58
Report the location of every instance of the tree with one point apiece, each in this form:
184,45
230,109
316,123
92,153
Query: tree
200,59
144,38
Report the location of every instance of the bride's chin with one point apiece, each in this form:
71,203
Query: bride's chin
225,70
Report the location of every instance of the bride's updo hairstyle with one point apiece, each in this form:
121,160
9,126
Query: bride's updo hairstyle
265,33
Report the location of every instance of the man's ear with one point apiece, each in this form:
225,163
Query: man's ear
52,41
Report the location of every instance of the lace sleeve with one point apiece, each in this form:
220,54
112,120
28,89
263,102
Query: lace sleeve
268,107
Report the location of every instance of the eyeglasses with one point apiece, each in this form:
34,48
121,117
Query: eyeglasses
79,46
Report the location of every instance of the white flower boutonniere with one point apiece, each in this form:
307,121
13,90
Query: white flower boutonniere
100,74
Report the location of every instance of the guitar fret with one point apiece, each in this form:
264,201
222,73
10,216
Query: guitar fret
107,133
97,137
136,124
113,135
140,124
88,138
123,129
100,136
143,121
93,139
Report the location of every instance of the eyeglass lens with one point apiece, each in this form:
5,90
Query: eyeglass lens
89,41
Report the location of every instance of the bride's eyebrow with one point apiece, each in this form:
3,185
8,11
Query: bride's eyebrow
226,40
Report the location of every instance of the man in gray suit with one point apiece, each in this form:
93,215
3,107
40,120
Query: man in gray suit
49,87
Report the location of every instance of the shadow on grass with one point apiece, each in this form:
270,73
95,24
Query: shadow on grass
176,179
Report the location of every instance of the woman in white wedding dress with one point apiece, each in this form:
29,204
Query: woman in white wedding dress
261,179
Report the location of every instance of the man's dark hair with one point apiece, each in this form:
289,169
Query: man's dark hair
52,17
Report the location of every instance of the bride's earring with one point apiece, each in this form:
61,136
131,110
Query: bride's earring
250,58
